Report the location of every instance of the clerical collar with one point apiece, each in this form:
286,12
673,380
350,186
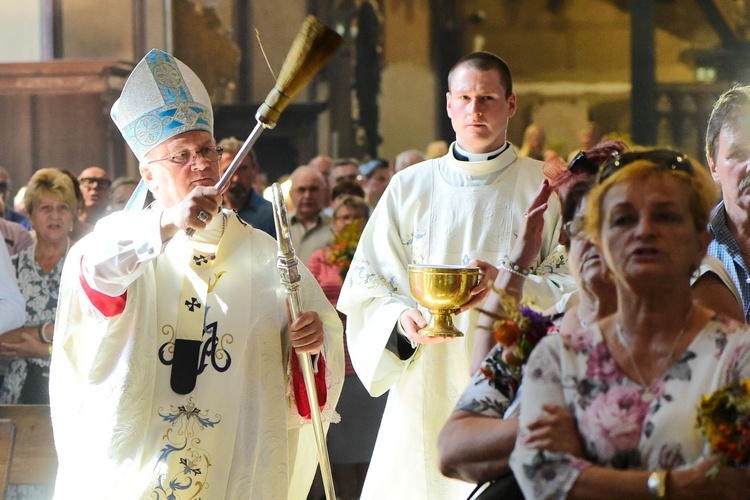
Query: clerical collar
463,155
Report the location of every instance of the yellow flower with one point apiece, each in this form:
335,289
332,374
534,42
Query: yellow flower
724,417
344,245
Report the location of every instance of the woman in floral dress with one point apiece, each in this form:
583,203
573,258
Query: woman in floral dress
633,380
51,203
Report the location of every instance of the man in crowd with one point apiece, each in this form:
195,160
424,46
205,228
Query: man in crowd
122,189
376,174
95,184
728,156
173,352
324,164
345,170
8,212
463,208
240,196
309,227
15,235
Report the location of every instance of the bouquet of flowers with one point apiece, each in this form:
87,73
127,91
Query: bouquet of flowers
724,417
518,329
344,245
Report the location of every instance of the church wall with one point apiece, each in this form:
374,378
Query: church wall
574,64
574,61
407,100
21,31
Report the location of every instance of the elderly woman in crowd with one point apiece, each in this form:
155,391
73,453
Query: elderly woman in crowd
634,379
50,202
475,443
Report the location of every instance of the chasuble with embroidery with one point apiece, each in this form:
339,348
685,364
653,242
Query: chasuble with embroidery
171,372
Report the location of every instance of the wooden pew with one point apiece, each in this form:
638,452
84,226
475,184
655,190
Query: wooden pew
7,440
32,457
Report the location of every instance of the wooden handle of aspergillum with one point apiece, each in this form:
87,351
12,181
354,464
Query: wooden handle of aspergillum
313,47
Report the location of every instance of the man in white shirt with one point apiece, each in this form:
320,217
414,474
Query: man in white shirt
463,208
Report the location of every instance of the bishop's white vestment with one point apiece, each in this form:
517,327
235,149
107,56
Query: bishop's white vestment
440,211
137,416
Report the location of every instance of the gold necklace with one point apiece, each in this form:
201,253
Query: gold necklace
648,396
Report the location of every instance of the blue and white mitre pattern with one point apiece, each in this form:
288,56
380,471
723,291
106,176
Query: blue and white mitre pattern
161,99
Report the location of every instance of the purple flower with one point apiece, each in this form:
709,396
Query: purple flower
540,325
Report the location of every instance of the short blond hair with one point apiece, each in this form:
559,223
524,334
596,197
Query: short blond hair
50,180
701,190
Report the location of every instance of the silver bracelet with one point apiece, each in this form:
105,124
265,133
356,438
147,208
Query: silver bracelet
42,335
512,271
514,268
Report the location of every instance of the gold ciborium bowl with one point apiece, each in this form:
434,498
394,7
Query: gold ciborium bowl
442,290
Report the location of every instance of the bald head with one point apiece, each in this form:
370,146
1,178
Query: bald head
307,193
408,158
323,164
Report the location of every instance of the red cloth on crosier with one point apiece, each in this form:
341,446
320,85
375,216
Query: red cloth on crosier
298,385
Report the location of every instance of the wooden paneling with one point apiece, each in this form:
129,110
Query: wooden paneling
57,115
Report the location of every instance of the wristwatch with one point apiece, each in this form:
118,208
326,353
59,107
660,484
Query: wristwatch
657,485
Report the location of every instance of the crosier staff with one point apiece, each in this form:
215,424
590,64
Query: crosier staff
290,278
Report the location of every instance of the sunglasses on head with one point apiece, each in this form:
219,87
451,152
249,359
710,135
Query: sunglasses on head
581,164
666,158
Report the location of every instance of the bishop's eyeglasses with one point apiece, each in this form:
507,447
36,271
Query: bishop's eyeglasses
210,153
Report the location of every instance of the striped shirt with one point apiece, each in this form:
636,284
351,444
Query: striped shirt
725,248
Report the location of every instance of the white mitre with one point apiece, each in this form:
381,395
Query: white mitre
161,99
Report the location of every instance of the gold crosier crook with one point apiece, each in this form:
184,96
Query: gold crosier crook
312,48
290,278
